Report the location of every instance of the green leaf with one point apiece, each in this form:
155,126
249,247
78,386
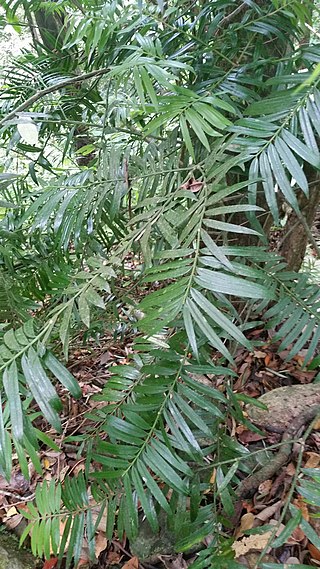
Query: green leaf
145,501
309,532
210,334
5,447
190,329
269,186
220,319
155,491
131,508
228,284
281,177
11,342
41,388
139,86
149,87
308,132
287,531
64,328
191,414
301,149
11,386
94,298
62,374
292,164
186,136
197,127
222,226
215,250
212,115
165,471
84,310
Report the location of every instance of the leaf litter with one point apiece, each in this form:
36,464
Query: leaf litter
258,373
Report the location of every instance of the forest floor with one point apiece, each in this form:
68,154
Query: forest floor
260,372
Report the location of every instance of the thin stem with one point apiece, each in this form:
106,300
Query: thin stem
52,89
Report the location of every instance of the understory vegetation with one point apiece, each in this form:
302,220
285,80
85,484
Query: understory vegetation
159,179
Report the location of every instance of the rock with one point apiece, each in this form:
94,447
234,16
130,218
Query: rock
251,559
11,557
147,546
284,404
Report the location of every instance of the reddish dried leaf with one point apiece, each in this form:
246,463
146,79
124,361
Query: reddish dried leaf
50,563
267,360
302,506
291,469
314,551
296,537
113,557
249,437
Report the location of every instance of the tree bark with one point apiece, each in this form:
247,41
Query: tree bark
294,244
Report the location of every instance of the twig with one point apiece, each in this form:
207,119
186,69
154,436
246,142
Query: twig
289,496
308,231
20,498
227,19
51,89
250,484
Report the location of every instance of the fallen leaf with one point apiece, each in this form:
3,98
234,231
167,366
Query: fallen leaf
113,557
313,460
213,477
13,521
268,512
296,537
175,561
11,512
192,185
195,186
249,437
256,542
301,504
104,358
246,522
50,563
265,487
314,551
83,563
101,543
259,354
132,563
267,359
46,463
291,469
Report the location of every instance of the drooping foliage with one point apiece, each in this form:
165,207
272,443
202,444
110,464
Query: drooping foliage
174,134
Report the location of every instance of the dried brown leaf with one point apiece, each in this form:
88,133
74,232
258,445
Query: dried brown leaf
252,542
246,522
313,460
101,543
132,563
269,511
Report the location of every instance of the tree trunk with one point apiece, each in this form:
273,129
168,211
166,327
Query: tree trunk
293,245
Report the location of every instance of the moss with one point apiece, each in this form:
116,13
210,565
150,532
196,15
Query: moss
11,557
